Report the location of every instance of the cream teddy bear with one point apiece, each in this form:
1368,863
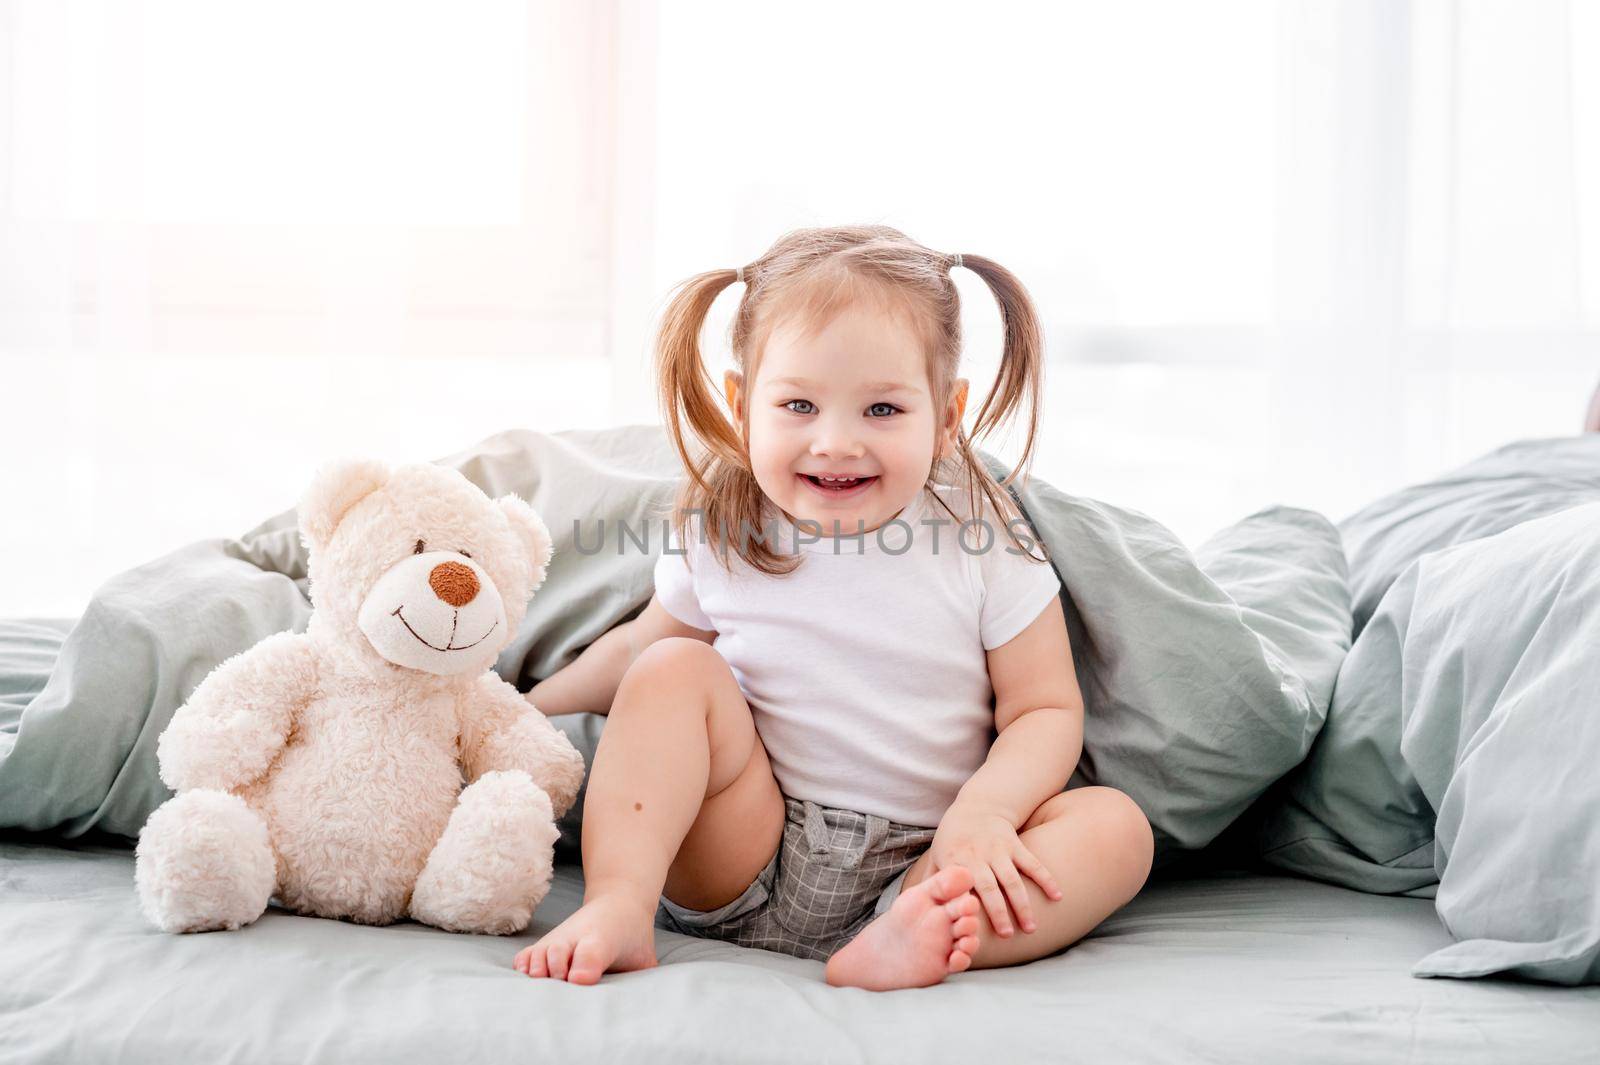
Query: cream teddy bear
327,767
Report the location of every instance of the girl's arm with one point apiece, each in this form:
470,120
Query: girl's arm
1039,716
590,681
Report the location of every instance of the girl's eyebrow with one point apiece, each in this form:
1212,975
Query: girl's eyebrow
875,386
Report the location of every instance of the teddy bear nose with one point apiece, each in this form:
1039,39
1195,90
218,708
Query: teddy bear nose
454,583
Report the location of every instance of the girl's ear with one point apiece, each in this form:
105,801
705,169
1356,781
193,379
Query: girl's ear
733,388
952,418
335,488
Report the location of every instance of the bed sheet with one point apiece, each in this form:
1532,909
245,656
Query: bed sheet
1235,967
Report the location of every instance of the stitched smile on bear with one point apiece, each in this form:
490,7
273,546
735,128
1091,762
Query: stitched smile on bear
441,601
463,647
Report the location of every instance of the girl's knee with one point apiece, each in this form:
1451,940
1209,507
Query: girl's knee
676,661
678,674
1118,823
1128,831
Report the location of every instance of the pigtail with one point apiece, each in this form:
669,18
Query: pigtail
685,388
1021,378
1018,386
720,485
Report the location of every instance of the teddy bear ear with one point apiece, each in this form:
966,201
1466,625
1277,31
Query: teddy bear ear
335,488
530,529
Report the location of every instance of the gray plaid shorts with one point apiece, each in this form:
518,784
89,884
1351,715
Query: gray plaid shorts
833,873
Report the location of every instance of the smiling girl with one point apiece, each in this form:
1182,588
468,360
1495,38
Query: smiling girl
846,736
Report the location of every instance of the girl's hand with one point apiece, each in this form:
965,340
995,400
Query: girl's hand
986,843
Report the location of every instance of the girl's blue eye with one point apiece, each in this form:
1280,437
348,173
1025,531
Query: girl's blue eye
892,409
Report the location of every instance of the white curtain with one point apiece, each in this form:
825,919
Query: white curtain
237,239
1301,251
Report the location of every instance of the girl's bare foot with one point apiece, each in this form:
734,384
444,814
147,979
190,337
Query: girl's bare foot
609,933
930,931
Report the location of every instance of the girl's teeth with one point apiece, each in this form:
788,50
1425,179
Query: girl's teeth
836,482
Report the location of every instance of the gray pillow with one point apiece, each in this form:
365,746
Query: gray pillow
1205,676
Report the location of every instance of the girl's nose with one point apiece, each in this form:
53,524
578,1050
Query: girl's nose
836,440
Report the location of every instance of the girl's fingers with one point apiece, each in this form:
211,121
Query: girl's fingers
1017,892
1037,871
994,903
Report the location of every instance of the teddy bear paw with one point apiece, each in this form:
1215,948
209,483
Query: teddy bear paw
204,862
492,865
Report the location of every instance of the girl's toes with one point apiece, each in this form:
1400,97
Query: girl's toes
533,964
959,961
965,926
933,926
949,882
560,955
588,962
967,945
962,906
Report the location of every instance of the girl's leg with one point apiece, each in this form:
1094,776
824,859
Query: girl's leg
680,797
1097,843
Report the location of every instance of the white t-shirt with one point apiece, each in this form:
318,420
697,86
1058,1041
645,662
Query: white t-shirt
864,668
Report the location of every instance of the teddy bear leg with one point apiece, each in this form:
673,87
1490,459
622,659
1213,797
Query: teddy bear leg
204,861
492,864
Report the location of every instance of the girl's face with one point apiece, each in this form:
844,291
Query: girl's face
851,401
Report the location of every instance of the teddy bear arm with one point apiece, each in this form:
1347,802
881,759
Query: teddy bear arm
238,719
504,731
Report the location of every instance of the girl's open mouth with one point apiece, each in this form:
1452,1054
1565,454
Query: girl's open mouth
838,489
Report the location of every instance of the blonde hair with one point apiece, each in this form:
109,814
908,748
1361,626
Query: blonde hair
809,275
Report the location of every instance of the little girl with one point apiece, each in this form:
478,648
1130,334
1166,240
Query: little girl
842,726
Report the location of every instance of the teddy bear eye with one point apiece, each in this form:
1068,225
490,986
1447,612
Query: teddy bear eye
420,546
467,553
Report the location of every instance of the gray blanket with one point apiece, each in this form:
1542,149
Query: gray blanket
1457,759
1205,675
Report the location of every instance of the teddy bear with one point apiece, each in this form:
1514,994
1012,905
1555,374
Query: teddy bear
374,766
